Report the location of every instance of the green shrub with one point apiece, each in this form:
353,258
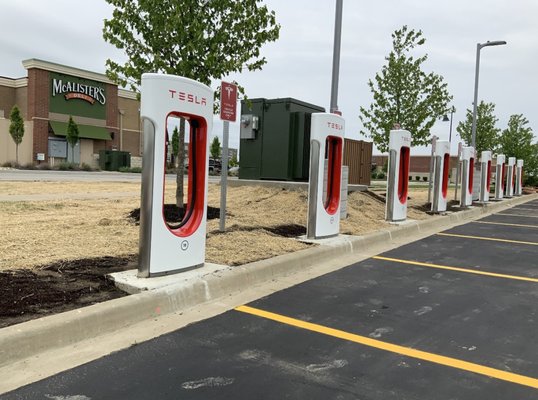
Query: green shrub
417,178
11,164
66,166
381,175
425,178
43,167
135,170
530,180
86,167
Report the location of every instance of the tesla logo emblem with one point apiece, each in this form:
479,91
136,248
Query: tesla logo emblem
334,125
229,90
332,220
184,245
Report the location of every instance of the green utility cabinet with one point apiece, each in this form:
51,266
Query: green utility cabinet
275,139
113,160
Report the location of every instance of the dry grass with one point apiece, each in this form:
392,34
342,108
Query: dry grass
22,188
36,233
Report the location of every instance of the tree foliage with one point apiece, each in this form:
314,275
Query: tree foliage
517,141
199,39
72,136
487,134
16,129
214,149
404,94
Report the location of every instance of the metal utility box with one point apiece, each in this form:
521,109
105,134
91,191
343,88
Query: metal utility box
275,139
112,160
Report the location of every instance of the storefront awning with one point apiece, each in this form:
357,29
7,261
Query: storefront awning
84,131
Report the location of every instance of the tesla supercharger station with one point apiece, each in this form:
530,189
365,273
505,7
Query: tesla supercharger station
398,176
485,176
510,172
499,177
467,176
440,180
518,183
326,140
166,248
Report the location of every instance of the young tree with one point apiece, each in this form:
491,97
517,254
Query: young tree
198,39
404,94
72,136
487,134
517,141
16,129
215,147
175,145
233,161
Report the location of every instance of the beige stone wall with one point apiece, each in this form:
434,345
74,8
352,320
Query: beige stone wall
7,145
86,152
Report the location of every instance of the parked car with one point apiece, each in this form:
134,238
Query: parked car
215,166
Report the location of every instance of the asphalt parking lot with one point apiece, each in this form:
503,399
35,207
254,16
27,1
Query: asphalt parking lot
452,316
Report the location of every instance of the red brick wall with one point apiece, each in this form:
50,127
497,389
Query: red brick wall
417,164
112,116
38,108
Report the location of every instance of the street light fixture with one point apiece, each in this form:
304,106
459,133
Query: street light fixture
446,119
479,47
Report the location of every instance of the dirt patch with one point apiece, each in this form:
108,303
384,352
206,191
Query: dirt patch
58,287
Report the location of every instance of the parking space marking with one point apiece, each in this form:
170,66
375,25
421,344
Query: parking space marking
518,215
394,348
526,209
466,270
505,224
486,238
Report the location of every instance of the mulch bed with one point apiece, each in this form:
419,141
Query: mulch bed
173,214
58,287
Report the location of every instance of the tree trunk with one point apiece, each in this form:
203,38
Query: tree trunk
180,165
17,153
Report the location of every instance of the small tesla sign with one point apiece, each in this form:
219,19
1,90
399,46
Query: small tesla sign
228,102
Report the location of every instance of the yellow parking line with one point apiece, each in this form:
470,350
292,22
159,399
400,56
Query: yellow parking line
518,215
394,348
486,238
466,270
505,224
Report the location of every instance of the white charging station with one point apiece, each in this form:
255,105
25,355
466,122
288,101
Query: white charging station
510,176
326,140
165,248
518,184
485,176
499,176
398,175
440,175
468,158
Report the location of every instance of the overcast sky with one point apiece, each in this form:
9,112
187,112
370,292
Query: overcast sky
299,64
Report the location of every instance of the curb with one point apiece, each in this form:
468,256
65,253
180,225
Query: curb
24,340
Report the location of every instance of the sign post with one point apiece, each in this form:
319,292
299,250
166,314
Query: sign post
228,112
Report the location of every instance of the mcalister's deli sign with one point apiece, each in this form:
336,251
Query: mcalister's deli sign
76,90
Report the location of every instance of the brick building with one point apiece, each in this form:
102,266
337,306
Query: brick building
107,116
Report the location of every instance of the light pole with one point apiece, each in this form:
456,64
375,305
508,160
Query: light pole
336,56
479,47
